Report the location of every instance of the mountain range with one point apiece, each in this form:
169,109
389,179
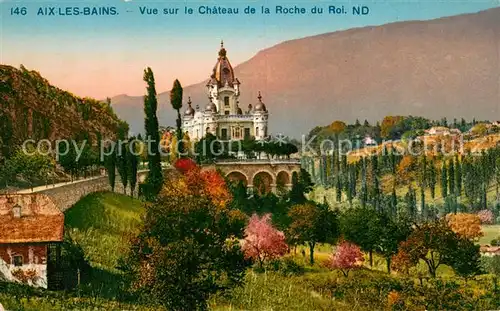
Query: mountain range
446,67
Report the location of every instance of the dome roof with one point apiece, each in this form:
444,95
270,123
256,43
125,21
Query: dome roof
211,106
189,111
223,71
260,105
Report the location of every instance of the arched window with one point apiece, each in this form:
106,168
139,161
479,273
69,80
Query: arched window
207,130
257,131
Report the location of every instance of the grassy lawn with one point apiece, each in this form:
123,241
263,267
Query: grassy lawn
102,223
490,232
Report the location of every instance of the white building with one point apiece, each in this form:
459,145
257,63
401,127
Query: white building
223,115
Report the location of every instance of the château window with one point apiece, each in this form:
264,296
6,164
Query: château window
224,134
247,133
257,131
226,101
207,130
226,112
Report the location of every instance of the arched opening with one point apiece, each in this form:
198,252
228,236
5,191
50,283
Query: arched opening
282,179
237,177
262,183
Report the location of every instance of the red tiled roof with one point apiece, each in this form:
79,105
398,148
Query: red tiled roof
40,221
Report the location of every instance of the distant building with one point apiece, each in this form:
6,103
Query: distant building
368,141
442,131
223,115
31,226
490,251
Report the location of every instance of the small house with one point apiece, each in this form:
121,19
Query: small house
31,230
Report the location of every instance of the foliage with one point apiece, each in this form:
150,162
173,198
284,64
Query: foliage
311,224
262,241
301,185
187,248
155,178
465,225
486,216
347,256
176,102
184,165
491,264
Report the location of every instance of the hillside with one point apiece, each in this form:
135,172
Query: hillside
448,67
31,108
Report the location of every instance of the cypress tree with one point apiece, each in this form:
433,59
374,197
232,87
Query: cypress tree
122,164
155,178
432,179
176,102
394,202
110,165
451,178
339,189
444,180
133,163
458,177
364,186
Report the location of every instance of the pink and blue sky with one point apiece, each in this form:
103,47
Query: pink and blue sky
103,56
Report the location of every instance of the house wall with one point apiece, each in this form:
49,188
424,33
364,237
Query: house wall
34,268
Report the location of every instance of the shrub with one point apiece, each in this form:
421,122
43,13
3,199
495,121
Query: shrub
486,216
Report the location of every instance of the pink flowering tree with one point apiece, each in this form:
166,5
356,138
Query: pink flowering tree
347,256
486,216
262,241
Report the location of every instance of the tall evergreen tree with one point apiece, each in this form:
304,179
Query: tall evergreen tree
432,179
110,165
122,164
444,180
451,178
458,177
132,165
176,102
154,180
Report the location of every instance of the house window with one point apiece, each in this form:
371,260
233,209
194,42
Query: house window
247,133
224,134
226,101
17,260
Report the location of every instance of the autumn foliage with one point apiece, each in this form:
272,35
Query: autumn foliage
486,216
185,165
465,225
347,256
262,241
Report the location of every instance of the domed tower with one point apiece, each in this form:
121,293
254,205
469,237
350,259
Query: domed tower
209,121
222,86
260,116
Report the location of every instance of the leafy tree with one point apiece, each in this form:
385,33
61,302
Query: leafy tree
187,249
362,226
176,102
465,225
434,243
301,185
311,224
346,257
465,258
262,241
155,178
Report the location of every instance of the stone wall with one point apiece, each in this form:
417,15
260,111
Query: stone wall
64,196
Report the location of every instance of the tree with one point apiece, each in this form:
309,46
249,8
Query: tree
486,216
432,242
122,164
176,102
361,226
311,224
465,258
465,225
155,178
133,164
110,165
301,185
444,180
346,257
262,241
188,247
432,179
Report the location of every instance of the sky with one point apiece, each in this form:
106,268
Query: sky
100,56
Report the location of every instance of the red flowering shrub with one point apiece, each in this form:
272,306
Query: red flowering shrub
486,216
347,256
185,165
